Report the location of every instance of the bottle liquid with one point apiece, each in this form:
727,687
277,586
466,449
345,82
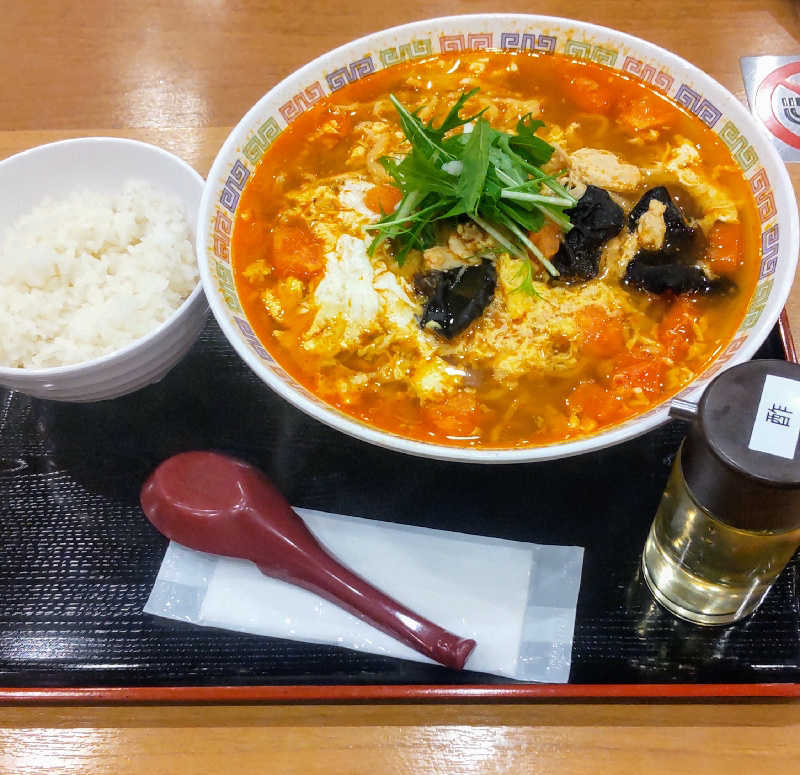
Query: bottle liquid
729,518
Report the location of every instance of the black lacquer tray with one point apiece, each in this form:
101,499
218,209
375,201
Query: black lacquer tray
78,557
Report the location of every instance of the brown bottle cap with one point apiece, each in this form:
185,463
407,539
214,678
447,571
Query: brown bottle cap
740,459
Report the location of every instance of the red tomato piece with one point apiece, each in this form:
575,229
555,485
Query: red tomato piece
641,370
603,336
724,251
296,251
589,95
547,239
644,111
383,198
590,400
676,330
457,416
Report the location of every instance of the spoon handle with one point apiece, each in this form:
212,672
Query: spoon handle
329,579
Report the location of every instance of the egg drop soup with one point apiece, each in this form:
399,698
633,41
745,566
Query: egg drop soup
495,250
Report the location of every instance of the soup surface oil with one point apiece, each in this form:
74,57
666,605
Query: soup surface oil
499,408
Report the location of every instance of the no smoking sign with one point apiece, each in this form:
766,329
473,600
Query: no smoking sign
773,91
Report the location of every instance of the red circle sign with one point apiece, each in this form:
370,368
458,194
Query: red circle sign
777,103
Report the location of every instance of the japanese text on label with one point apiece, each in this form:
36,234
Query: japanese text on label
777,424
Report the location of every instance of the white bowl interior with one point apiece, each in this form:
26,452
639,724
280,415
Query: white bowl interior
696,91
102,164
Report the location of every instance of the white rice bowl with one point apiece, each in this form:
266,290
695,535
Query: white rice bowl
89,274
105,291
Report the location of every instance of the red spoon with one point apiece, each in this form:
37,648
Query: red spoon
221,505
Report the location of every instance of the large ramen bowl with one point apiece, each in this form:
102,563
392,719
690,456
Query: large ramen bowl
663,71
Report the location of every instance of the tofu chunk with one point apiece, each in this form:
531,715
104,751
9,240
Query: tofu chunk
652,228
434,380
604,170
347,303
681,164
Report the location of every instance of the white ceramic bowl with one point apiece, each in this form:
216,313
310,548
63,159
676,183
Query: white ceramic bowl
674,76
104,164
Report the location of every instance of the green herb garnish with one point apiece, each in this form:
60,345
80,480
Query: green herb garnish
493,178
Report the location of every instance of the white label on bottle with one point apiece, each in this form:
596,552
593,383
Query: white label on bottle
777,422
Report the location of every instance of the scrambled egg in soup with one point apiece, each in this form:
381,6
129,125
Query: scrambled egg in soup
477,331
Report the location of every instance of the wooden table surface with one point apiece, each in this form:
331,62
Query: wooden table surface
180,73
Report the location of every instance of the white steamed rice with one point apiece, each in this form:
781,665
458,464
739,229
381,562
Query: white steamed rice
87,275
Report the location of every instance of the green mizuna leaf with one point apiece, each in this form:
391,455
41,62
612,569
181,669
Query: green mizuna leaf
492,177
475,165
536,150
453,120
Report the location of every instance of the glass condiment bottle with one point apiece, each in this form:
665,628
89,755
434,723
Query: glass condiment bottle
729,518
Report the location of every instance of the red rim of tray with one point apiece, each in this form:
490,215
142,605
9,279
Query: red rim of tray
399,693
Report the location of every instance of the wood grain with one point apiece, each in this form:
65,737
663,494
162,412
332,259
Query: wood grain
620,739
179,73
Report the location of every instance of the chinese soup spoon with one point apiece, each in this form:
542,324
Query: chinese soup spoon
214,503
